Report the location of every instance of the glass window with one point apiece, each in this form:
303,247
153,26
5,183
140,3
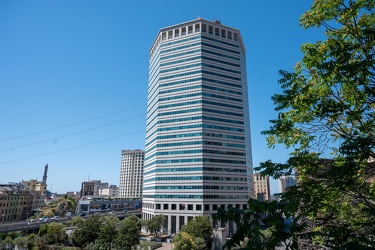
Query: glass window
190,206
183,31
206,207
210,30
190,29
204,28
198,207
177,33
217,32
229,35
158,206
214,207
174,206
223,33
235,37
197,28
170,33
166,206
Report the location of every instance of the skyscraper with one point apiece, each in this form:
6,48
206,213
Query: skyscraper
131,173
198,145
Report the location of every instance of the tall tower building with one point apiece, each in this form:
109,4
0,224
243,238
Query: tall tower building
131,173
198,145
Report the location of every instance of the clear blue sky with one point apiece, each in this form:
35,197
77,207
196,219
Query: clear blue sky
73,79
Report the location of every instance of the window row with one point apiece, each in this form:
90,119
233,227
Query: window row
190,178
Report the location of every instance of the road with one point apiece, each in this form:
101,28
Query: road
23,225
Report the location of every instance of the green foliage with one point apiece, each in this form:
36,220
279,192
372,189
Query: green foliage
26,242
53,233
264,225
7,243
200,226
88,232
200,244
127,236
155,224
327,108
108,231
183,241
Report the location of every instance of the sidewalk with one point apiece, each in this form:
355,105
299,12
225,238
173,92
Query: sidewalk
166,246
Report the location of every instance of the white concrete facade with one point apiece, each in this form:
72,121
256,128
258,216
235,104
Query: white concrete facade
198,147
131,174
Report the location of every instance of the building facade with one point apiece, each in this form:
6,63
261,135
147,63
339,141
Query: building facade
39,188
131,173
285,182
262,188
111,191
15,203
198,147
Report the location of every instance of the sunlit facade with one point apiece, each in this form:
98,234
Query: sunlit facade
198,145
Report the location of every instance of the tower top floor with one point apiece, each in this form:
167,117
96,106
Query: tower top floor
199,25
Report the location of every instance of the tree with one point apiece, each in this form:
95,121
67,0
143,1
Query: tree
127,236
56,233
53,233
26,242
88,232
327,108
108,231
183,241
200,226
7,243
155,224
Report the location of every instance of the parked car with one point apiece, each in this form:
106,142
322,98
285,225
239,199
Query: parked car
124,211
42,219
81,214
55,218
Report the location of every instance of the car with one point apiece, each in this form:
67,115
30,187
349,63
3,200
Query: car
81,214
30,221
42,219
47,219
124,211
55,218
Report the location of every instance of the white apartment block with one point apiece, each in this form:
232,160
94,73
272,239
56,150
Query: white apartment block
131,173
110,191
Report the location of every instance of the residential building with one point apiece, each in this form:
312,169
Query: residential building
131,173
39,188
262,187
285,182
15,203
198,147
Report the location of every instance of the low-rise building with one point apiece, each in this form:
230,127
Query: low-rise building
111,191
